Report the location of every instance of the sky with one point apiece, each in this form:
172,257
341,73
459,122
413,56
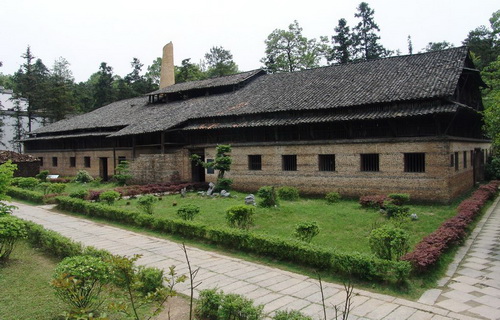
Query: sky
89,32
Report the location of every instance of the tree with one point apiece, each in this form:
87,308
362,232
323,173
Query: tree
436,46
220,62
222,162
491,99
365,38
138,83
484,43
288,50
103,88
342,44
60,100
18,127
410,45
188,72
154,71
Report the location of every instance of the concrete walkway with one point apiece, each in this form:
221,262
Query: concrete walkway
471,291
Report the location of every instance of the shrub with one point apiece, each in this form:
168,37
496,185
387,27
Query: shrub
492,168
42,176
394,211
288,193
56,188
224,184
268,197
150,279
6,209
399,198
376,201
12,230
109,196
290,315
79,194
146,203
122,173
188,212
213,305
22,194
83,177
240,216
25,183
332,197
78,282
388,242
305,231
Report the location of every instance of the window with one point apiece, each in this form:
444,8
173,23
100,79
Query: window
72,162
121,159
452,160
54,161
370,162
456,161
255,162
326,162
414,162
210,170
86,162
41,161
289,162
465,159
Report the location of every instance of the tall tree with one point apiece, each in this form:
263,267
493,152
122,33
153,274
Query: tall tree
220,62
61,100
342,44
366,40
410,45
491,99
188,72
103,87
288,50
484,43
436,46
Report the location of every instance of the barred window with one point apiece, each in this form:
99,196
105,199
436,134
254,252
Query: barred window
86,162
370,162
289,162
72,162
210,170
122,159
41,161
465,159
456,161
54,161
326,162
414,162
255,162
452,160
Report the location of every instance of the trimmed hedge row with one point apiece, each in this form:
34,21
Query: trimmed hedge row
355,264
51,241
428,251
24,194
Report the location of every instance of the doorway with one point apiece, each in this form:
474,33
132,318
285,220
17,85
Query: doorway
103,169
197,171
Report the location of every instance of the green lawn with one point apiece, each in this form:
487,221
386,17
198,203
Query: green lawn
344,225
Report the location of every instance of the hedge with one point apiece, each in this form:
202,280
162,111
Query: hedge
23,194
428,251
354,264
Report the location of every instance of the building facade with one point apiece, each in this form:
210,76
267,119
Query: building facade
407,124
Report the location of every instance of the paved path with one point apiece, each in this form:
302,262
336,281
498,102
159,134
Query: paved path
475,283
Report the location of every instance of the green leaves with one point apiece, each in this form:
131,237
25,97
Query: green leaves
12,230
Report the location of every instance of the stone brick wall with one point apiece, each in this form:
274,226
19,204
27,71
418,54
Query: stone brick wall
158,168
27,169
440,182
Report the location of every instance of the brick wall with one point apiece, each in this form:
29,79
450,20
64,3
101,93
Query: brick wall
158,168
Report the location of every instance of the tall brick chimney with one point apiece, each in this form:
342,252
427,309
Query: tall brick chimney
167,77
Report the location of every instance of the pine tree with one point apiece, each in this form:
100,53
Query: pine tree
342,44
365,38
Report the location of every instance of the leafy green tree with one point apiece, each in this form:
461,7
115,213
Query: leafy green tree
342,44
365,37
288,50
12,230
138,83
154,71
222,163
491,99
188,72
18,127
220,62
60,100
410,45
484,43
436,46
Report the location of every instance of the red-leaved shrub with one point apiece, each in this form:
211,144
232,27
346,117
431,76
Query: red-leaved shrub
375,201
428,251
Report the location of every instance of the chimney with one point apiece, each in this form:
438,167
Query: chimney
167,77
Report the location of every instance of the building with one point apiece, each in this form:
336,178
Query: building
13,120
407,124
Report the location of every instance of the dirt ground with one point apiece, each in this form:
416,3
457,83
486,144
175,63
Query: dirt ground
176,308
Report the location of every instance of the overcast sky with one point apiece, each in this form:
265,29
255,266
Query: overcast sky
89,32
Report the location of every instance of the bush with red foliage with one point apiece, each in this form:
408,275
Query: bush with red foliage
428,251
375,201
160,188
59,180
93,195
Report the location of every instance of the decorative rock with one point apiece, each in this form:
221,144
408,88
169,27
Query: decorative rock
250,199
224,193
211,188
183,192
414,216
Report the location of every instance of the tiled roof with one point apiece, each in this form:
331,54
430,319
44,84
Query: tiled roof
15,157
418,77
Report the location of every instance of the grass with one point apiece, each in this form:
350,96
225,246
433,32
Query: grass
345,225
25,292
